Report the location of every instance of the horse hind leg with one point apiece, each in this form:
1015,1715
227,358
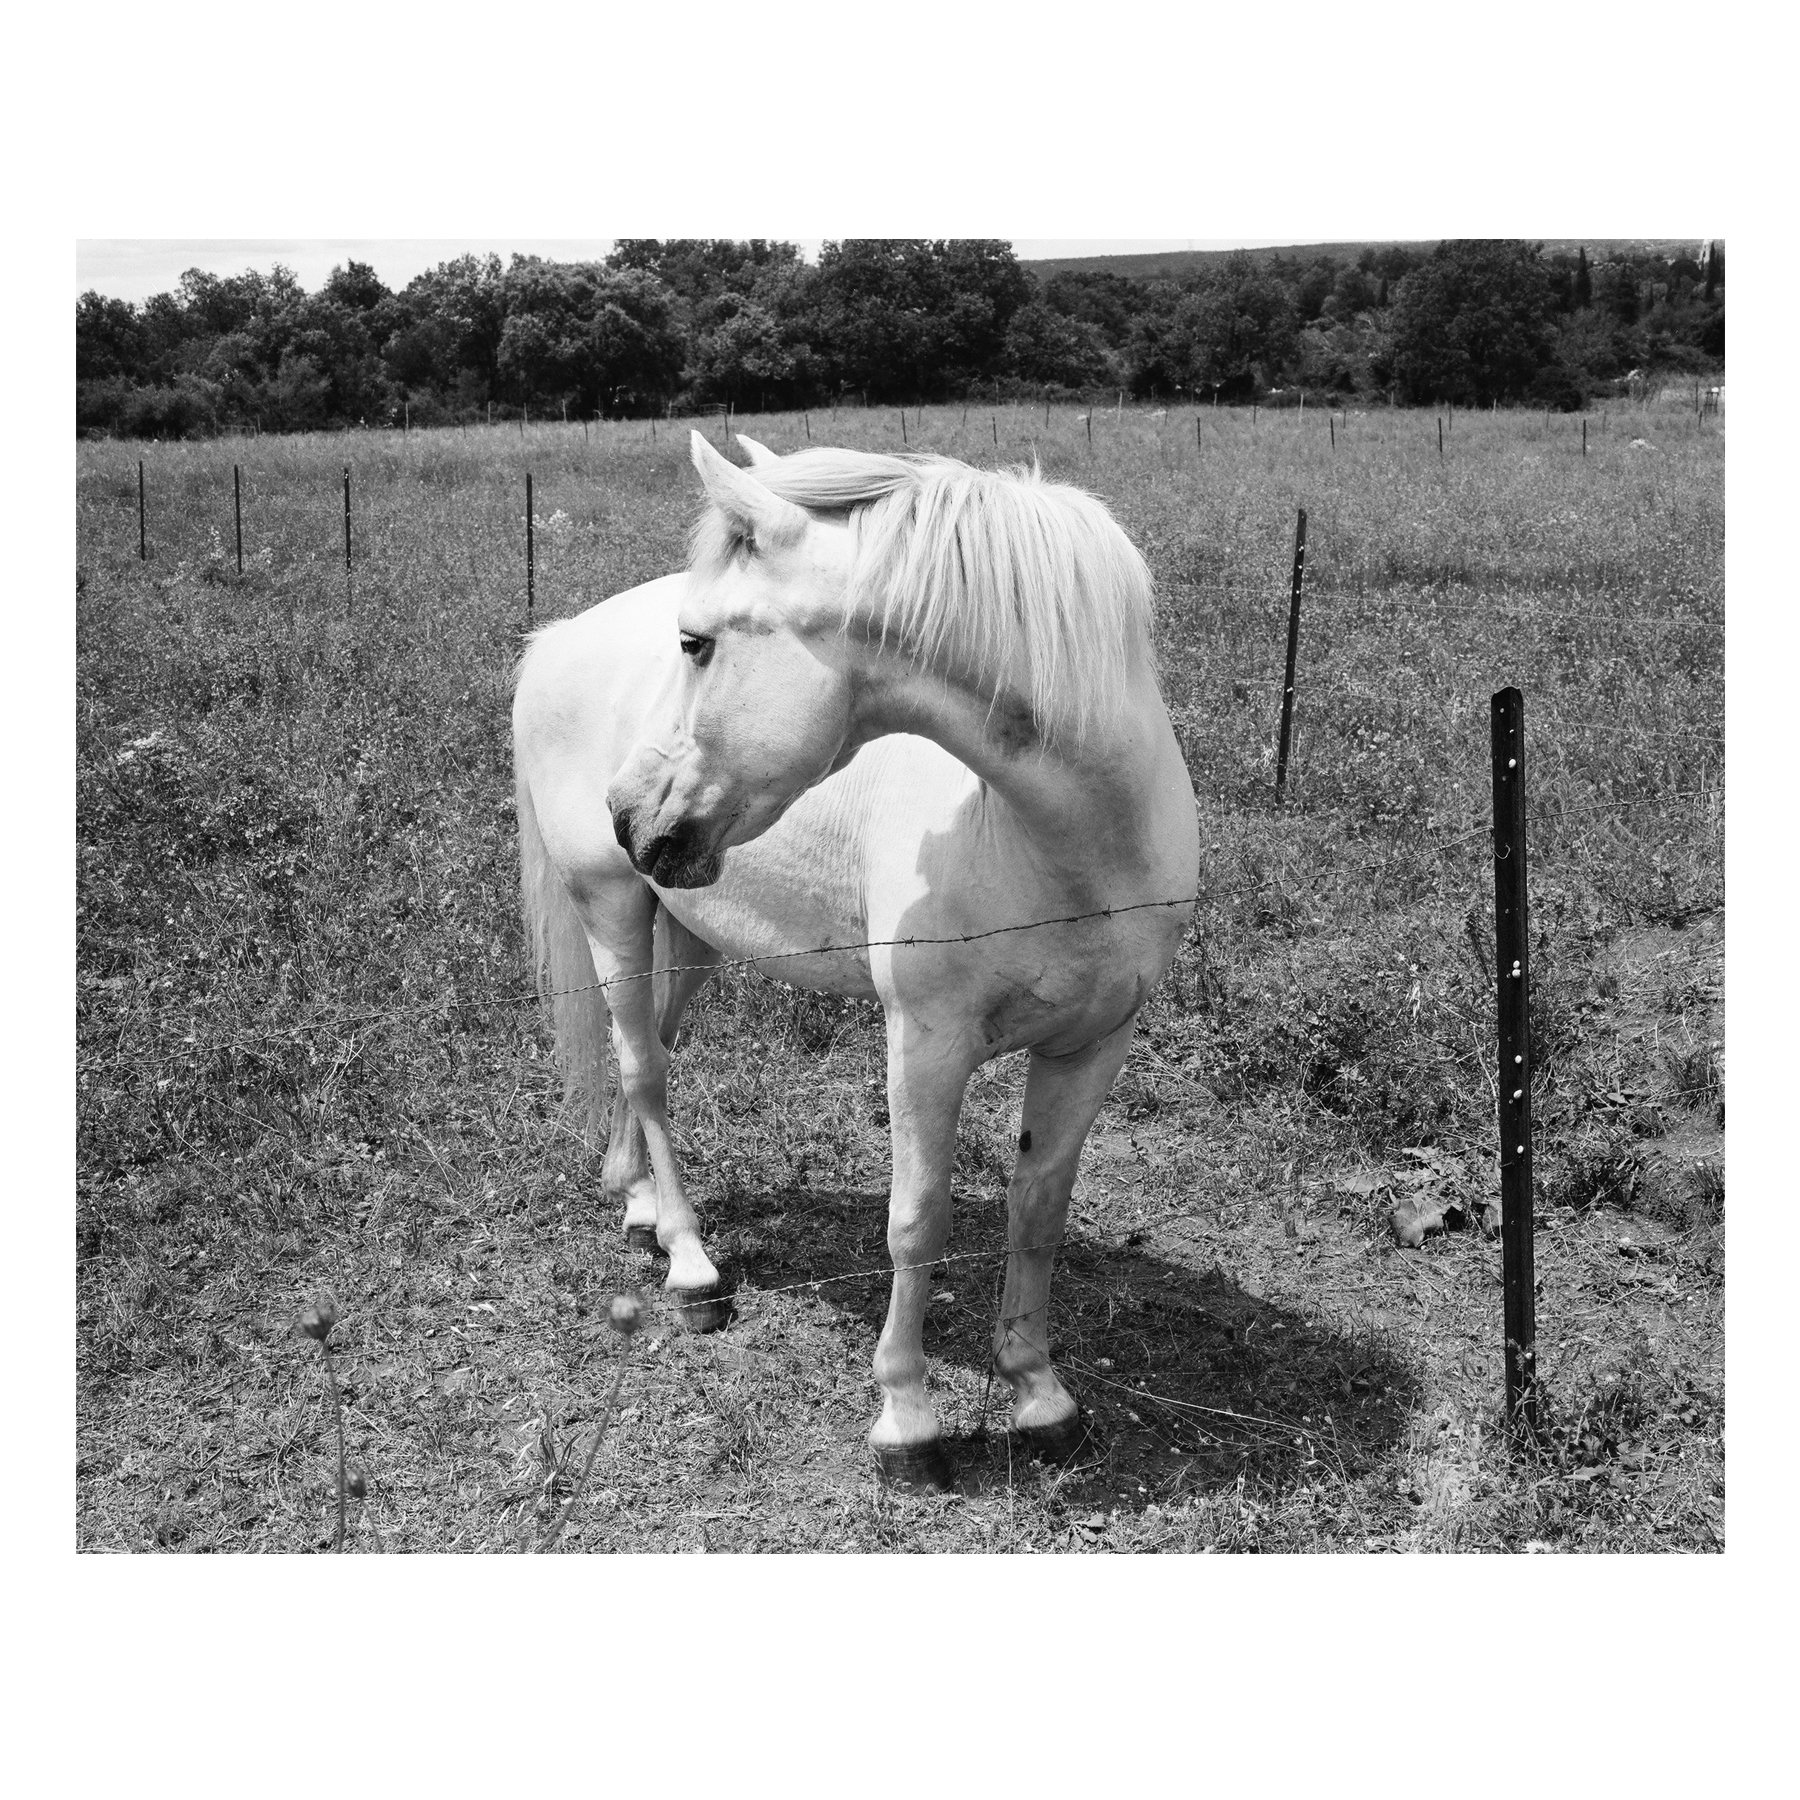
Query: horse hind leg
684,963
1063,1096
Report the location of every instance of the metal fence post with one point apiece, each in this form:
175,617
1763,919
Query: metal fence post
237,513
1293,649
530,555
1512,968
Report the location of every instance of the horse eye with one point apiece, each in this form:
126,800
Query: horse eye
699,648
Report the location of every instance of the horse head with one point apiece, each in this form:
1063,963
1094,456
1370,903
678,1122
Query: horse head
761,709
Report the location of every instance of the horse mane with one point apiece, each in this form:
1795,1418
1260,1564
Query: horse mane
981,570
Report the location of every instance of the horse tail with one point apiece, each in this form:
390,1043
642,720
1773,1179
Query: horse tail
564,967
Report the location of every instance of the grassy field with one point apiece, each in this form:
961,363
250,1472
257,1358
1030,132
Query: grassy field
306,1063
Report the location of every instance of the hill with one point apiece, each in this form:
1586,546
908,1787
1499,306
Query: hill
1173,265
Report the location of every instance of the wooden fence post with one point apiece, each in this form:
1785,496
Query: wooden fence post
237,514
143,548
1293,649
349,592
1512,967
530,555
903,437
1440,436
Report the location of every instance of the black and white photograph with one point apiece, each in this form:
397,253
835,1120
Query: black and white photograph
872,813
901,894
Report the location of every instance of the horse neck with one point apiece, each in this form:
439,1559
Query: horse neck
1090,794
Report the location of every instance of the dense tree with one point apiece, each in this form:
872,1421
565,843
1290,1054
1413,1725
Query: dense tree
1472,324
1046,348
706,320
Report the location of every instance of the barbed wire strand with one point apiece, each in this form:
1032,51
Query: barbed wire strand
378,1015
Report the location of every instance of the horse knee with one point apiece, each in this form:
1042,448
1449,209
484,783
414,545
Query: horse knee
917,1237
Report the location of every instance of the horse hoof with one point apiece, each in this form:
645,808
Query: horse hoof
700,1309
641,1237
922,1466
1062,1442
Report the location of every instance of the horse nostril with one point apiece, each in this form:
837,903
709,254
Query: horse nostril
621,823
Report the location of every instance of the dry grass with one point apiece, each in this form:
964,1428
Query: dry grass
294,818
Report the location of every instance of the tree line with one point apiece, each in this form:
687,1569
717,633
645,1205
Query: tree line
685,324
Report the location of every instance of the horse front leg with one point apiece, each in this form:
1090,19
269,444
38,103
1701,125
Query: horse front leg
925,1091
619,928
684,963
1063,1096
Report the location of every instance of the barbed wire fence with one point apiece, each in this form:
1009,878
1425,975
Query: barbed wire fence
1343,611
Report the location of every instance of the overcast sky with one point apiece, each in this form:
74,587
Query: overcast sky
136,268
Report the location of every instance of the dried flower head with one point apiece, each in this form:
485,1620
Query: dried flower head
319,1318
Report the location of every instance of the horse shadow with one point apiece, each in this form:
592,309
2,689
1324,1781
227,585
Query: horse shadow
1188,1380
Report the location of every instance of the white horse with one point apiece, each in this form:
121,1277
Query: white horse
893,698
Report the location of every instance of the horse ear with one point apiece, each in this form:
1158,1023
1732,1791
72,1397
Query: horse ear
765,517
760,454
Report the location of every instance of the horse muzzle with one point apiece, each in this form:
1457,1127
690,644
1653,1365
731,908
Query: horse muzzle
677,858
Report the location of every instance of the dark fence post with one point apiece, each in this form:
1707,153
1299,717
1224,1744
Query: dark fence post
530,555
1512,968
237,514
1293,650
903,437
1440,437
348,590
143,549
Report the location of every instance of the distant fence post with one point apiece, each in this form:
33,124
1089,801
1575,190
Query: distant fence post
530,555
143,548
1293,649
806,420
348,592
1331,420
1512,966
903,437
237,514
1440,435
